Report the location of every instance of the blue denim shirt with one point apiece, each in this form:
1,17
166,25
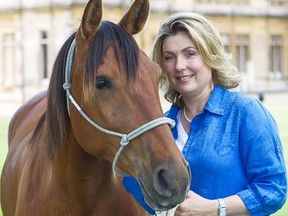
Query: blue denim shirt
234,148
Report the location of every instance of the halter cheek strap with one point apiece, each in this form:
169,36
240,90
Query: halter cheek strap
125,138
68,69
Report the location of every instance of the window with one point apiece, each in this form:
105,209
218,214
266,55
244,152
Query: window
44,54
242,44
8,60
242,2
278,3
276,55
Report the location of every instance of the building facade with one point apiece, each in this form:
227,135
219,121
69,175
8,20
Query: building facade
254,31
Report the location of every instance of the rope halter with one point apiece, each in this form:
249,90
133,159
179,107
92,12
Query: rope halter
125,138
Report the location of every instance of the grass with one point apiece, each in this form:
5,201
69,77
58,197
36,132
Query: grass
4,121
276,104
279,109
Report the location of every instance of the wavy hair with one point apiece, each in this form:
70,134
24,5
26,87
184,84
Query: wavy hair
207,41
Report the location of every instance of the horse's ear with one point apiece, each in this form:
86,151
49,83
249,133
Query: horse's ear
91,19
135,18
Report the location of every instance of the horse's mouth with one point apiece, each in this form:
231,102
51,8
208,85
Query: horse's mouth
157,203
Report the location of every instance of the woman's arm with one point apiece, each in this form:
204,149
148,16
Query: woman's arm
199,206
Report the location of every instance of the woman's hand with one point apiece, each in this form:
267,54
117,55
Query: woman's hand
197,206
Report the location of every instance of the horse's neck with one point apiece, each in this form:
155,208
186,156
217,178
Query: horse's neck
82,173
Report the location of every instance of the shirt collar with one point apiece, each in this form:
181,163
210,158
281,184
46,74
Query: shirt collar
216,102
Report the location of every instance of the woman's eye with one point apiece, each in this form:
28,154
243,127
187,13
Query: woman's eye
190,54
168,58
102,82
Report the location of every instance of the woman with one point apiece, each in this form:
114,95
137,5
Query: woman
230,140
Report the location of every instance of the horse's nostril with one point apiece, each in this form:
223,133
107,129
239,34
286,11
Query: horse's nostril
163,184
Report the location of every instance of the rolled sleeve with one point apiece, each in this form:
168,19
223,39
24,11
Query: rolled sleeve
263,159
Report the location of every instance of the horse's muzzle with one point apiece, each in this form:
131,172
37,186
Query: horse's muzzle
169,189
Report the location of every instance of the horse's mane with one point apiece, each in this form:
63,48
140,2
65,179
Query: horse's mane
108,35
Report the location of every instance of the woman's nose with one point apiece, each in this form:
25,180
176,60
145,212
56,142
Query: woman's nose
180,64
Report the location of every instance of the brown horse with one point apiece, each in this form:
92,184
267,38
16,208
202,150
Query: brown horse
61,162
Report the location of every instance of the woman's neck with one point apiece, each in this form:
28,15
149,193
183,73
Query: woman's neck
195,104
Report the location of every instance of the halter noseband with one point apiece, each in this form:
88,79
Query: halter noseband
125,138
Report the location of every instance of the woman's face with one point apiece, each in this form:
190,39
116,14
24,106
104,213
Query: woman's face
187,72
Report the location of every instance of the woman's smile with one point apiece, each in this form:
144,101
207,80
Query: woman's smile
185,77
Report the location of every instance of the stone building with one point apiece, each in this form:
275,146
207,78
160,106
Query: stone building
32,32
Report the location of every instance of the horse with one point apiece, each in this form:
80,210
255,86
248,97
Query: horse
99,120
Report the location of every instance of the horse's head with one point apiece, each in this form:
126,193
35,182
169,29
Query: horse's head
116,85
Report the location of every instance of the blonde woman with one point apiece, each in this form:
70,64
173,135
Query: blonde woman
229,139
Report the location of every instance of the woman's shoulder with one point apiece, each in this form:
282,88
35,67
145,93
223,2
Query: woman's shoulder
240,104
240,99
225,100
247,102
249,107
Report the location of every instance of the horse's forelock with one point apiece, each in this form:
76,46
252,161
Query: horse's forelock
126,51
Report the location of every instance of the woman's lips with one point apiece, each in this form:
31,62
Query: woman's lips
184,78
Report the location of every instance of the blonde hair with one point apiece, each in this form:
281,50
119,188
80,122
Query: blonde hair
207,41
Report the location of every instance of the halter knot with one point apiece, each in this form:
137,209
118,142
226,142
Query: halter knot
124,140
67,86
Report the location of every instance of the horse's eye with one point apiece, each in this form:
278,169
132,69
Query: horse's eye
102,82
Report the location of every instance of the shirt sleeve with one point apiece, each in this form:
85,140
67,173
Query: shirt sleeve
262,155
132,186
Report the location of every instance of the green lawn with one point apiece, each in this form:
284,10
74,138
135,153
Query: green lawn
279,110
3,143
4,121
278,106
